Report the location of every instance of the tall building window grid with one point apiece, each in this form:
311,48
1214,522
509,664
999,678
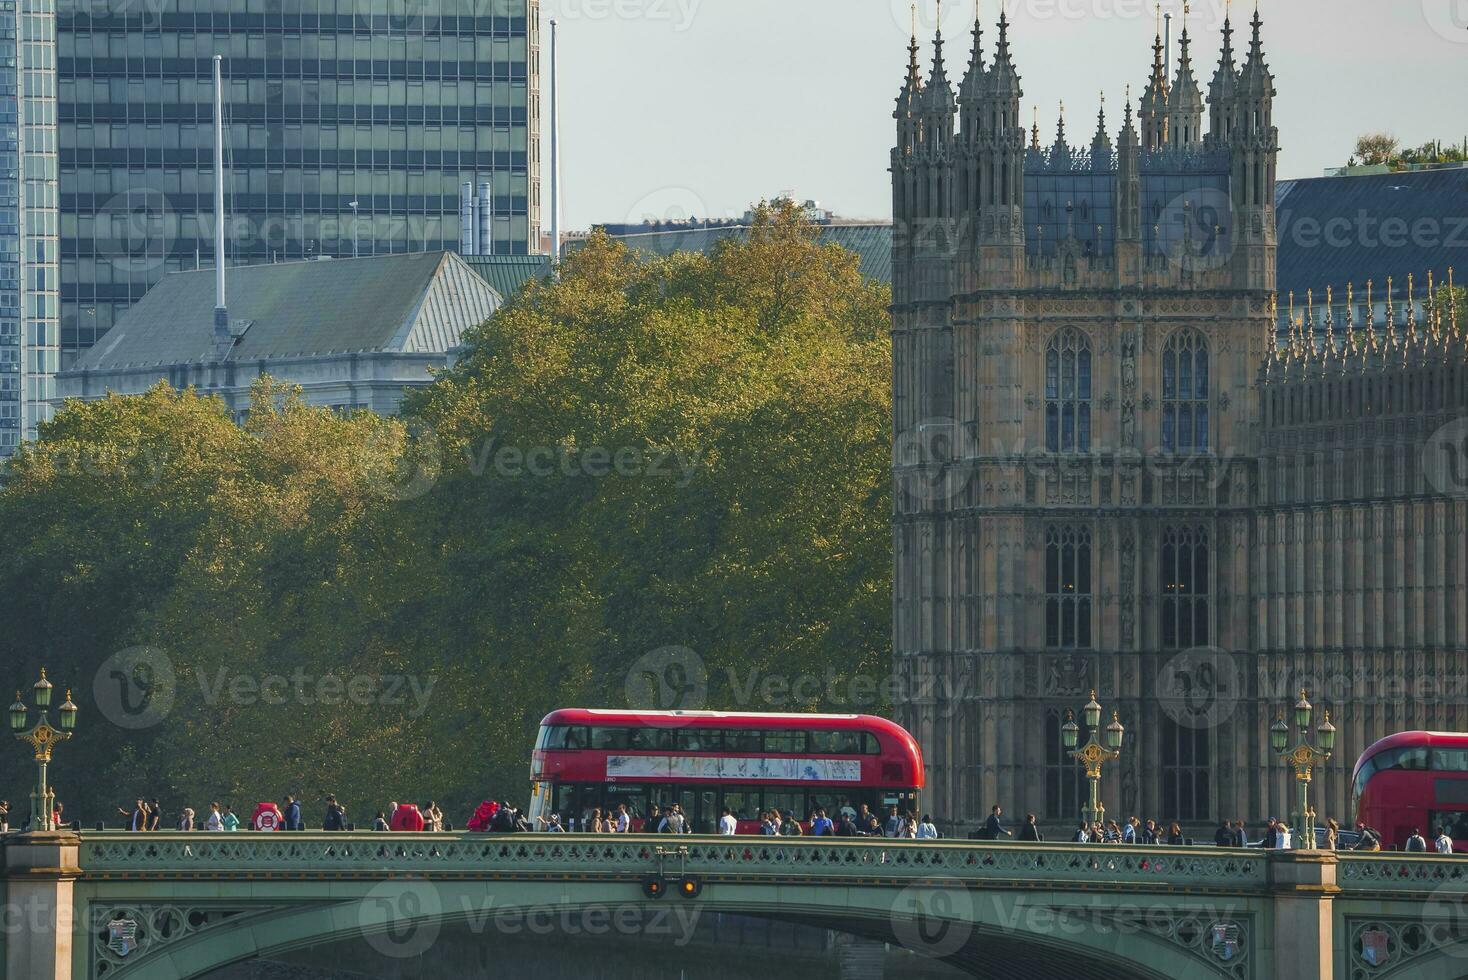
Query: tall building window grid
1065,781
1068,587
1068,392
1185,583
1185,393
325,106
1186,771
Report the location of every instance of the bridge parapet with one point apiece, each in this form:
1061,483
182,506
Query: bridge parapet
106,855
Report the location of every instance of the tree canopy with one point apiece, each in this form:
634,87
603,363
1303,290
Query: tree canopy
686,454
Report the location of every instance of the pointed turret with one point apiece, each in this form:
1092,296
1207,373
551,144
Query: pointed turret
909,99
972,88
1003,79
1154,100
1060,149
1184,99
1223,91
1253,149
1128,179
1101,142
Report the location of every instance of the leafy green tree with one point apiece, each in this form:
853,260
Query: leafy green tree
688,452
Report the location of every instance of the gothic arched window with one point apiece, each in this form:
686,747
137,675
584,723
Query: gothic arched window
1185,587
1068,393
1068,587
1185,390
1186,771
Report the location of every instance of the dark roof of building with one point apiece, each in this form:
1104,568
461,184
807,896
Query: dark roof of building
507,273
872,243
415,303
1339,230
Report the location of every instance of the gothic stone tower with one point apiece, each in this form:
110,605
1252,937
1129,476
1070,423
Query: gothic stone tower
1077,336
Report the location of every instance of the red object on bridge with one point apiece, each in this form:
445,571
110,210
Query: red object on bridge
267,817
479,823
407,817
708,760
1414,781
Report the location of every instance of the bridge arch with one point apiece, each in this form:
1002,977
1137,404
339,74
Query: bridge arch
1003,934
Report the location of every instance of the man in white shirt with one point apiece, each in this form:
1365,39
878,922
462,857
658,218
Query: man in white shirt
624,819
728,826
1444,843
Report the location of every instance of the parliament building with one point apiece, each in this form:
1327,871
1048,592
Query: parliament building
1113,471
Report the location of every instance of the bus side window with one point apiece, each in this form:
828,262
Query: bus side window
787,802
869,744
576,737
1450,760
609,738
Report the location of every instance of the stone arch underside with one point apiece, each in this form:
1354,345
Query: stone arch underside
992,941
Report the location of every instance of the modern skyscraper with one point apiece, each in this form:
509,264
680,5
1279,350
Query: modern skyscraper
29,299
347,122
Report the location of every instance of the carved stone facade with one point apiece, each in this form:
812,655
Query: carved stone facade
1107,476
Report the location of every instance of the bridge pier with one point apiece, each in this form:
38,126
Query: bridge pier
40,871
1304,888
861,959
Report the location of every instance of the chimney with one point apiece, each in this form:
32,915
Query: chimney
486,218
468,219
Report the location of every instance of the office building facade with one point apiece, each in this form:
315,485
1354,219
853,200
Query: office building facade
29,251
350,127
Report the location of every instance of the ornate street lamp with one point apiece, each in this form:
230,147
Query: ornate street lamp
43,738
1094,754
1304,757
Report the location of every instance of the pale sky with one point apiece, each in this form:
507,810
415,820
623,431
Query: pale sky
671,107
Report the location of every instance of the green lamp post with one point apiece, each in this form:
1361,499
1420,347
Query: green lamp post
42,738
1095,753
1303,756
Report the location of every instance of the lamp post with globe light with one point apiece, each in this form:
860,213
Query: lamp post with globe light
42,737
1093,755
1304,756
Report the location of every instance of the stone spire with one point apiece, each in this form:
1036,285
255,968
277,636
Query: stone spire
1255,81
1101,142
1185,98
1004,80
1223,90
1154,99
939,91
973,80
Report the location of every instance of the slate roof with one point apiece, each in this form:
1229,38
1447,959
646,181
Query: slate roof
507,273
1331,230
420,302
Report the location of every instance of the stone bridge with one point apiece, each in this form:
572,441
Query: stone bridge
175,906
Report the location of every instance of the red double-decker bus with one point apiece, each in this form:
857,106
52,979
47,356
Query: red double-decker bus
1414,781
708,760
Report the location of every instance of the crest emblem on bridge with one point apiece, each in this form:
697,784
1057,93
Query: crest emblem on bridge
1225,941
122,936
1374,947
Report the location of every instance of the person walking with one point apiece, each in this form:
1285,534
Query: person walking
1416,844
434,816
1175,835
1332,834
1082,834
229,821
336,815
137,819
155,815
1129,830
1370,839
728,826
5,816
1224,836
379,824
994,826
624,820
893,825
1151,833
820,825
1031,830
1443,844
926,829
1241,836
214,822
790,827
186,819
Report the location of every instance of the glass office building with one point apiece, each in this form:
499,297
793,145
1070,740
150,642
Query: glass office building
350,126
29,296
